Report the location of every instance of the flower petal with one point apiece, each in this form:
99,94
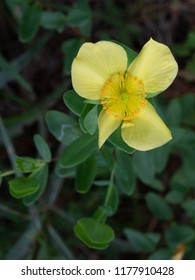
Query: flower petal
146,131
107,125
155,66
94,64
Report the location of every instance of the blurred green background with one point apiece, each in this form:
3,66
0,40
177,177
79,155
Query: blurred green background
39,40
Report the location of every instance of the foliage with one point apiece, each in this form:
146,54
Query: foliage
60,196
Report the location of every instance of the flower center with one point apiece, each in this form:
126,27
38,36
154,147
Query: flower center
123,96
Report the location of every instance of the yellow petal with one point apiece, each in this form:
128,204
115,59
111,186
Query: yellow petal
107,125
146,131
94,64
155,66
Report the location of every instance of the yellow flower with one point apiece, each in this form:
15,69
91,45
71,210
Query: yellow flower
100,72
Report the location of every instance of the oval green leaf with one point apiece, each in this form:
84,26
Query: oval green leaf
85,174
94,235
159,207
86,109
118,142
130,53
23,186
62,127
53,20
74,102
124,174
91,120
78,151
42,147
178,233
141,242
41,176
30,22
28,164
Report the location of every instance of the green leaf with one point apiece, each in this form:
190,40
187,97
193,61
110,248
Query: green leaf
86,109
156,185
23,186
181,50
183,179
0,180
78,151
74,102
28,165
174,112
174,197
188,103
30,22
62,127
190,41
53,21
130,53
81,17
91,120
41,176
42,147
124,174
140,241
159,157
94,102
70,48
144,166
94,235
189,207
182,136
118,142
107,155
85,174
161,254
191,65
178,233
158,206
65,172
147,164
15,5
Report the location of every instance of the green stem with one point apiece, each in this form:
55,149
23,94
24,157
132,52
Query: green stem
8,143
100,215
110,187
56,182
9,172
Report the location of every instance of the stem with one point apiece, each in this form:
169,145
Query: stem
101,215
56,183
59,243
110,187
8,143
9,172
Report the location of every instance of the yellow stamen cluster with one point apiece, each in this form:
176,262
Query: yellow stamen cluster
123,96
